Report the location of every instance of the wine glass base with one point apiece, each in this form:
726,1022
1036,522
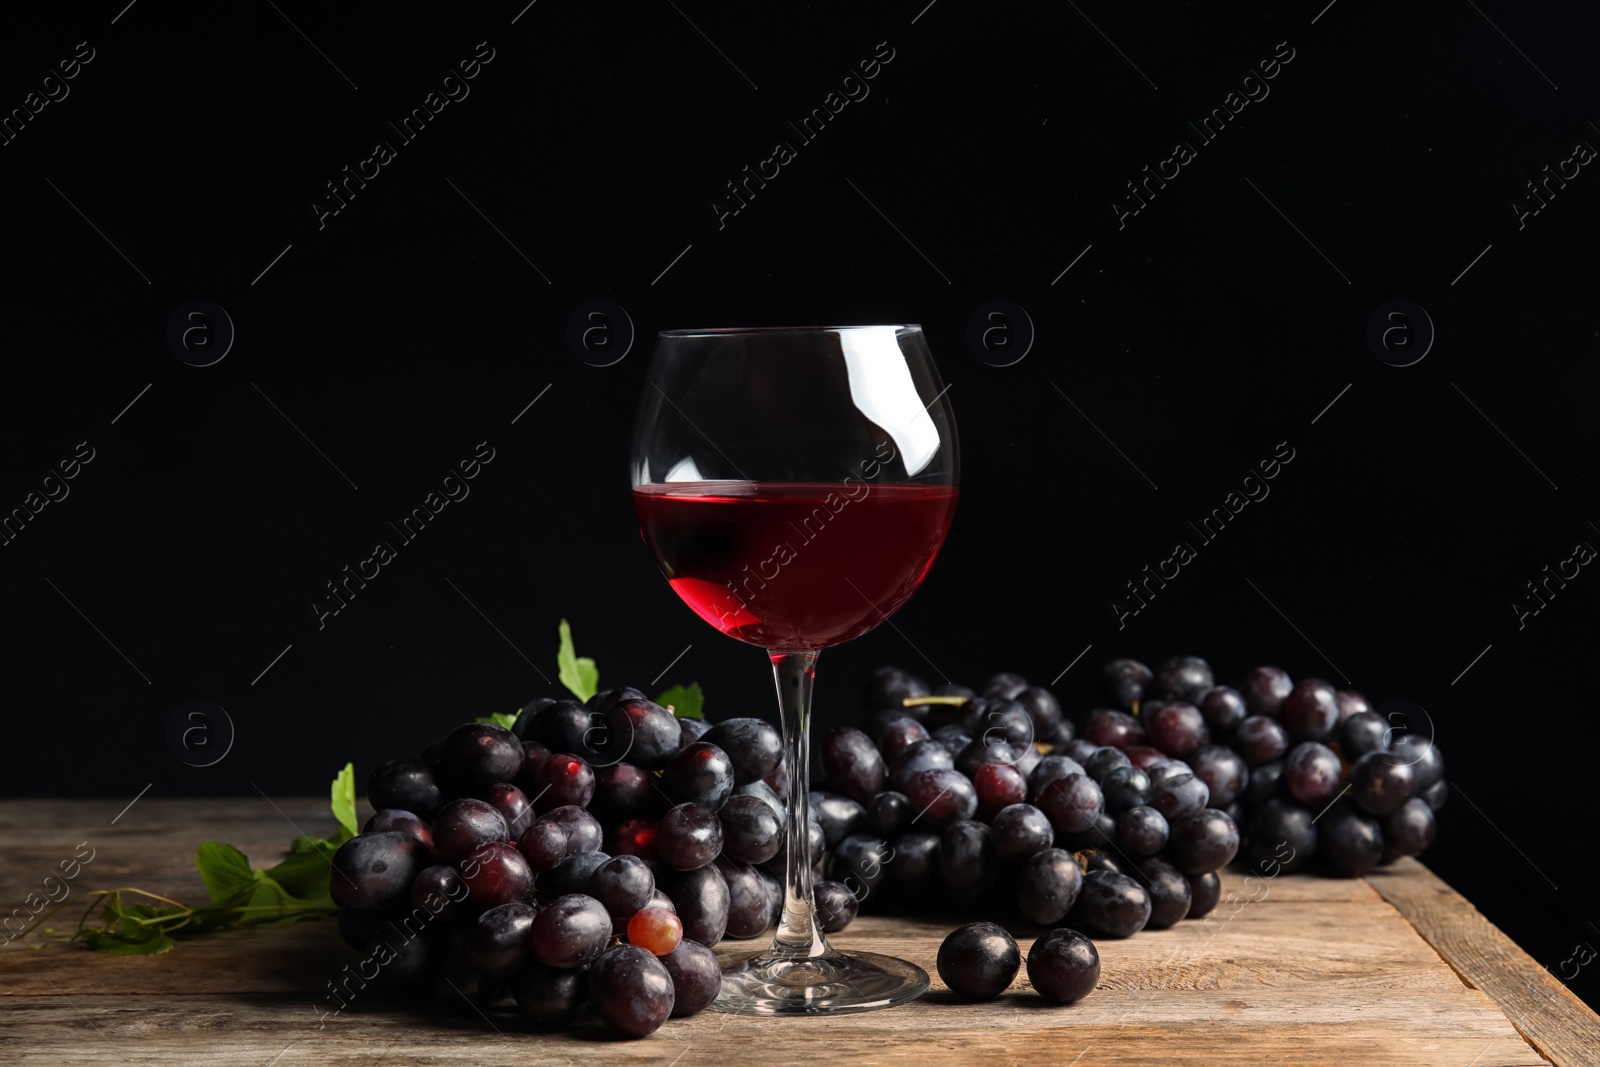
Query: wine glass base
835,984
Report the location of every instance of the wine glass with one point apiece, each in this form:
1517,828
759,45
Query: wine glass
795,486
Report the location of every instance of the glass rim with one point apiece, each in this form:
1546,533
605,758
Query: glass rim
723,331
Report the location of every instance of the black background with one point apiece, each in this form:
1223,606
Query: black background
1219,321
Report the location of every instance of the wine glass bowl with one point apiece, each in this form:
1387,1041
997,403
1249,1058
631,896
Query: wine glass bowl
795,485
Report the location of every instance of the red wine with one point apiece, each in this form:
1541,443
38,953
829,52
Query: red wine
794,565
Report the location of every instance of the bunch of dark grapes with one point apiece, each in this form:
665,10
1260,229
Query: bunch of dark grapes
585,858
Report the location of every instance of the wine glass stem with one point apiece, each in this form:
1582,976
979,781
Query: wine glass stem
799,935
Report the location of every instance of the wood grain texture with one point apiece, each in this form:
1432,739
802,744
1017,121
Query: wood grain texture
1538,1004
1293,970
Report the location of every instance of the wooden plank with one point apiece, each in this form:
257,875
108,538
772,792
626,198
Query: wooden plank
1548,1014
1294,970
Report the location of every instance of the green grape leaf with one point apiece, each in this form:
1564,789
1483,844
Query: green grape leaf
578,674
344,799
304,874
686,702
500,719
225,870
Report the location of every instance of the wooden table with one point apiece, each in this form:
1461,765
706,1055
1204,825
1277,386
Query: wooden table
1396,969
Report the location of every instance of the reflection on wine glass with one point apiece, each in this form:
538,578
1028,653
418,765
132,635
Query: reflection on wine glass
795,486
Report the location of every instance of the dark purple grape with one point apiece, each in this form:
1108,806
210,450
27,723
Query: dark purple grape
631,990
941,797
1311,711
1382,781
1282,837
1124,788
1072,804
1049,769
861,862
1142,831
1062,735
691,730
375,871
624,791
1079,750
1224,772
1112,905
836,906
563,779
1048,886
1063,966
1265,689
753,747
998,785
570,876
887,687
1206,840
1408,831
752,831
526,713
953,738
1261,740
1170,895
1361,733
1104,761
853,764
981,750
440,890
407,784
584,832
749,901
1205,893
1164,769
533,756
513,806
1175,727
1020,831
412,961
700,773
1001,720
916,862
899,734
1098,860
1435,795
1223,709
700,897
1117,729
764,793
358,927
1102,835
497,874
967,858
1422,755
1351,703
838,815
624,885
689,837
1264,782
1126,680
565,726
497,941
978,961
637,730
1312,773
476,755
1180,795
890,814
570,931
1350,840
1005,685
551,996
395,819
696,977
1042,708
1185,678
633,837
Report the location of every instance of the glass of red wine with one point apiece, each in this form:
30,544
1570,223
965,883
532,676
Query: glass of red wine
795,486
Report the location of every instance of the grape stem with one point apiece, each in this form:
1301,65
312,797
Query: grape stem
952,701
